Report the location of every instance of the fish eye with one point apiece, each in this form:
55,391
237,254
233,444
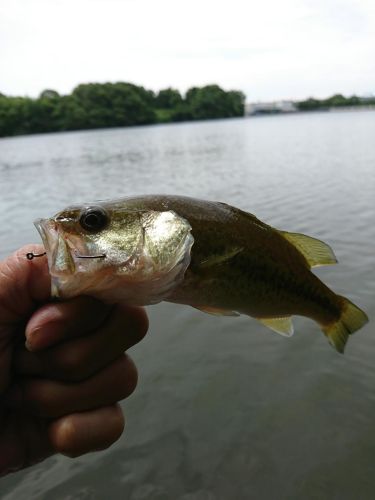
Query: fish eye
94,219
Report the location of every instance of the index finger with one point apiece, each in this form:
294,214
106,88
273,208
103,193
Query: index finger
59,321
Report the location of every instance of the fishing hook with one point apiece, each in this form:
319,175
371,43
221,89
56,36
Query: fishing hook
102,256
31,255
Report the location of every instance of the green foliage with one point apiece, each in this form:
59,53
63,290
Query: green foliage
309,104
113,105
335,101
213,102
120,104
199,104
49,94
164,115
168,99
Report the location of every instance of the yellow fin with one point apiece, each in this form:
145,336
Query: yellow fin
352,319
216,311
283,326
316,252
218,259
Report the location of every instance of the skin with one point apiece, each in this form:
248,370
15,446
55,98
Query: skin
60,392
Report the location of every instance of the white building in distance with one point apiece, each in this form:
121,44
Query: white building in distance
262,108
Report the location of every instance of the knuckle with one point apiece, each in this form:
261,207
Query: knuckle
134,323
71,363
115,427
66,437
128,378
39,398
90,310
143,324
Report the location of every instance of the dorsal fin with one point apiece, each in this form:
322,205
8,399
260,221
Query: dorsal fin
283,326
316,252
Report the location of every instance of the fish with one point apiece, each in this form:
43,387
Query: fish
215,257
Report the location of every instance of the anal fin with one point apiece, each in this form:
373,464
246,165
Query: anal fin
216,311
283,326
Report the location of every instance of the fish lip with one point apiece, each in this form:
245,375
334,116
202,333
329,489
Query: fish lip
48,234
50,238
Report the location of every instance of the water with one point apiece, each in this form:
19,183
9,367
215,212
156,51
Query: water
224,408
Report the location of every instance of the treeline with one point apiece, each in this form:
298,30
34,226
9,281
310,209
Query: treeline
121,104
335,101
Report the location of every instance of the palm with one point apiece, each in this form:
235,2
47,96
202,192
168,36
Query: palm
23,440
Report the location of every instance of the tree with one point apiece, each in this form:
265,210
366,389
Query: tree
114,104
49,94
14,116
168,99
95,105
212,101
336,100
309,104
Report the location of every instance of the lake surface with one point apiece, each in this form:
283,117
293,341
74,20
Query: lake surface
225,409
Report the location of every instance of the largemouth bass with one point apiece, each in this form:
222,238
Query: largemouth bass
210,255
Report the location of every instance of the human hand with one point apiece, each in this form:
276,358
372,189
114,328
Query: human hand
60,394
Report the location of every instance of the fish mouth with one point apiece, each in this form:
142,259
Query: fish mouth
60,259
48,234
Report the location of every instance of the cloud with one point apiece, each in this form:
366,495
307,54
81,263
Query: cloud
267,48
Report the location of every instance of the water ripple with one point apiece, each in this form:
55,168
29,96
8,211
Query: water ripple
223,405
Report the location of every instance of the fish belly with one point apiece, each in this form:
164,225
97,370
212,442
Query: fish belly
260,295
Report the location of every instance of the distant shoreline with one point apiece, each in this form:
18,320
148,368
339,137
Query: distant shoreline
312,111
108,105
333,103
112,105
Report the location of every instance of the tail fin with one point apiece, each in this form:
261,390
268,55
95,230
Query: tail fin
351,320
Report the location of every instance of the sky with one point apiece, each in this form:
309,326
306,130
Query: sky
269,49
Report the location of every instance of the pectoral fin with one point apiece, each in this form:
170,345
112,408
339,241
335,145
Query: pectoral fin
215,311
220,258
283,326
316,252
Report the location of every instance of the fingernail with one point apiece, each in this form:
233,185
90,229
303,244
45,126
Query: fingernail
28,346
44,336
32,338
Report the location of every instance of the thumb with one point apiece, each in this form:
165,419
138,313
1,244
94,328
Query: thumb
23,283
